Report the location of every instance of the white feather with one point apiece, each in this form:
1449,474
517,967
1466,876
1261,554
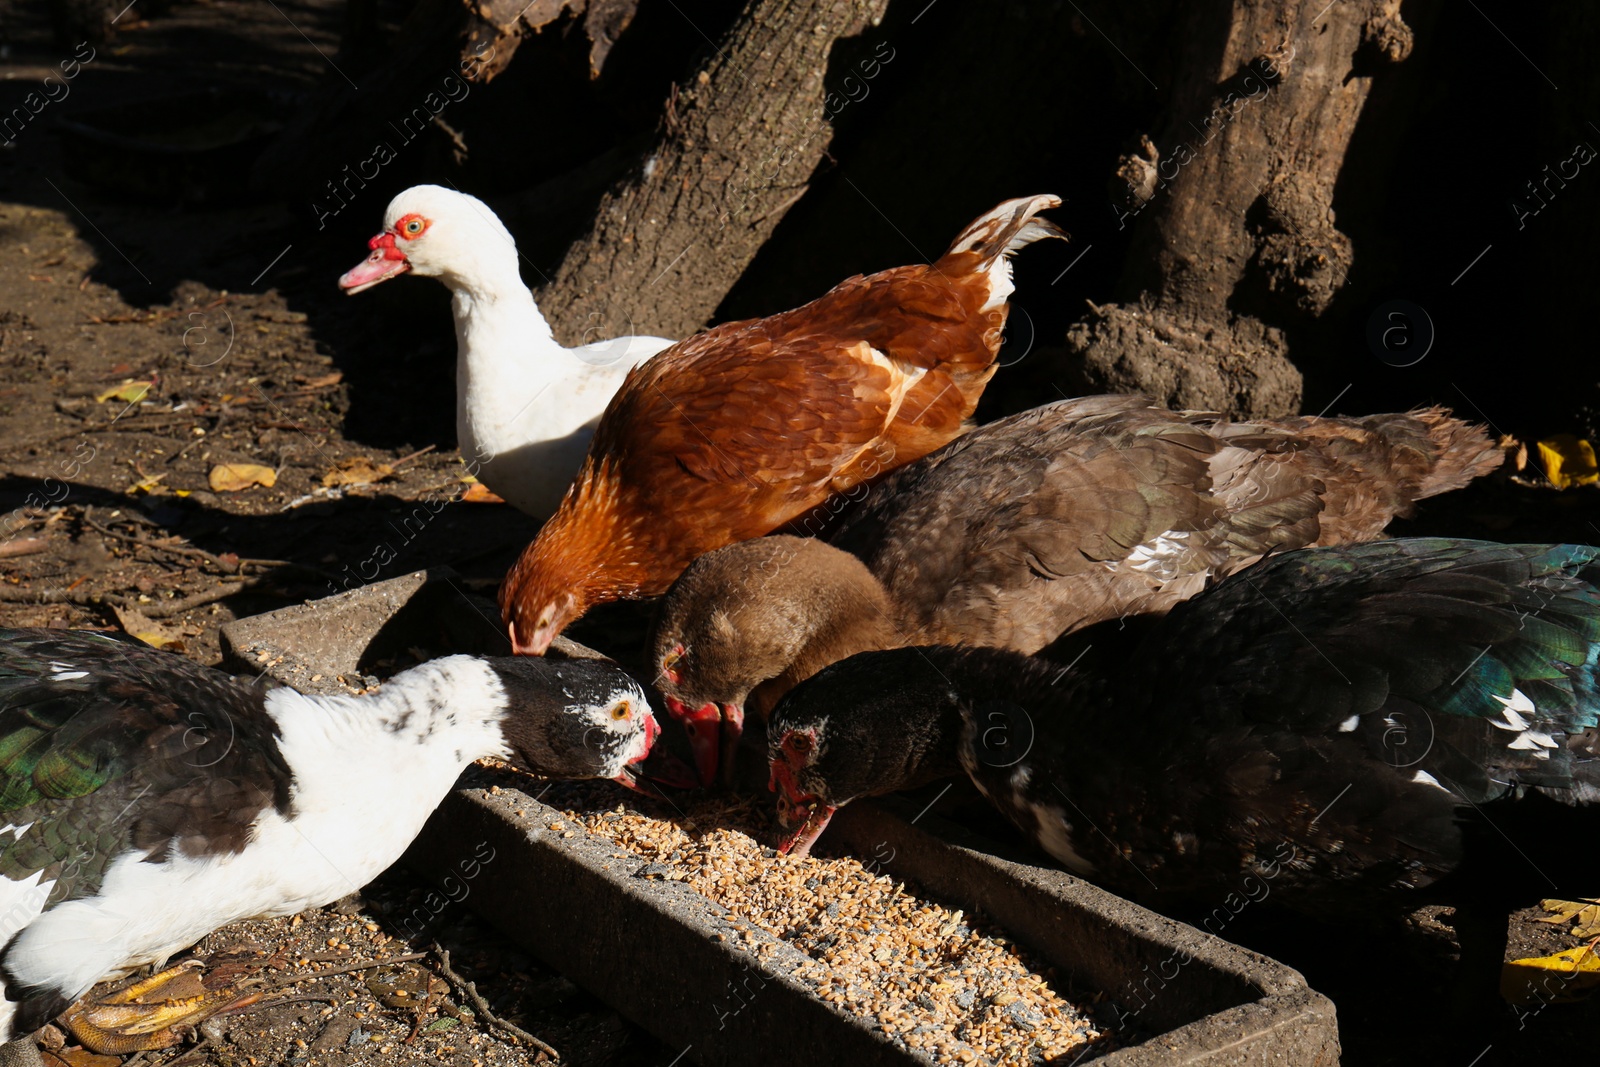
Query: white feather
1055,837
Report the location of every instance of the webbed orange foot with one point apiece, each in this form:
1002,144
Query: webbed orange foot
152,1013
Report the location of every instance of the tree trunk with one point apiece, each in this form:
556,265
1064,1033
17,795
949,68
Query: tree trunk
1233,202
735,150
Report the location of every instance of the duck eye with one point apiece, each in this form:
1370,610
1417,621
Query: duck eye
413,227
621,711
799,744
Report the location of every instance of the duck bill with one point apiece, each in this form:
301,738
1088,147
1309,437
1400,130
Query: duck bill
629,775
669,770
732,731
705,726
380,266
800,840
804,811
629,779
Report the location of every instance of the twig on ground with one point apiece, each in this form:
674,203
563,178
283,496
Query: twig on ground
368,965
481,1006
156,609
419,453
200,553
422,1013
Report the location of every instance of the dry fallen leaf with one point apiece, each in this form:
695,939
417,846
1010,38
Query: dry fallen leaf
151,485
478,493
1566,976
1585,911
323,380
79,1057
1568,460
128,392
357,470
232,477
151,632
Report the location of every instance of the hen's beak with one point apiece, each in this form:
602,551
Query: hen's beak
537,644
385,262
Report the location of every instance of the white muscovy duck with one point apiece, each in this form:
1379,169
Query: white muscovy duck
525,406
148,801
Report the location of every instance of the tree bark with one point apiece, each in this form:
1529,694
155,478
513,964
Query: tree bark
1233,202
735,150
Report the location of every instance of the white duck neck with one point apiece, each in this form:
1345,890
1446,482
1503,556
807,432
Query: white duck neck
506,355
453,701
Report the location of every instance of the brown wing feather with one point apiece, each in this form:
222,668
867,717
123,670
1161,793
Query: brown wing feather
1094,508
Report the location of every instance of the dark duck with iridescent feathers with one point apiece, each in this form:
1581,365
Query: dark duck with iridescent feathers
1332,714
147,801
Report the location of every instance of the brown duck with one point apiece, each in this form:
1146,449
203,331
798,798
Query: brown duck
1036,526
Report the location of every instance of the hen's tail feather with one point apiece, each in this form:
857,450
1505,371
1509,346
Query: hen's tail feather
1006,228
1462,452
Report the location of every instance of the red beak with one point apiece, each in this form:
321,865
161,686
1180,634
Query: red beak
795,805
385,262
629,776
732,730
704,727
805,835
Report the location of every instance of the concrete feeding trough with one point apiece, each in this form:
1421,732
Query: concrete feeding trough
661,953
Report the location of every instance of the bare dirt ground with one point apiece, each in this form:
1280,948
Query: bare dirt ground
145,344
110,520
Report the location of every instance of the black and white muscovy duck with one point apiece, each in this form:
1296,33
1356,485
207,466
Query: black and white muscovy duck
1326,721
1037,525
148,801
525,406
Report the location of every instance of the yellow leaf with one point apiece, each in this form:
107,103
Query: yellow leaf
1558,979
129,392
478,493
152,633
1585,910
1568,461
151,485
232,477
357,470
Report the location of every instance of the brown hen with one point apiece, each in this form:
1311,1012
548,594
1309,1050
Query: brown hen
736,431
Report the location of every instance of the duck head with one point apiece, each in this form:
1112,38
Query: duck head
743,624
436,233
872,724
576,718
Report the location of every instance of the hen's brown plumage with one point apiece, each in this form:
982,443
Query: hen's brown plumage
737,430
